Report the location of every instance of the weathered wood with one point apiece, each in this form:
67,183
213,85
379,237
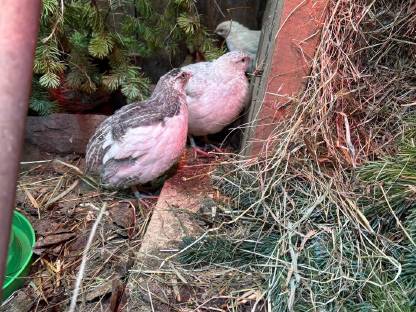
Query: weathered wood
183,196
288,43
21,301
115,17
61,133
271,22
247,12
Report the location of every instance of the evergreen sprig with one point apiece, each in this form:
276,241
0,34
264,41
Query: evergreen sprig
88,46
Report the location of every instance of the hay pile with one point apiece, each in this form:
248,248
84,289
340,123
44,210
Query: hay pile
327,221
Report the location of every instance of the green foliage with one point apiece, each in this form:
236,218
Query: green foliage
89,46
39,101
390,184
129,79
222,250
100,45
48,64
74,42
381,299
390,204
165,31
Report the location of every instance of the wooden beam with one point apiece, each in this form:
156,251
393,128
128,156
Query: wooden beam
290,35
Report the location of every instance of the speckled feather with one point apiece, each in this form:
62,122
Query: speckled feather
143,139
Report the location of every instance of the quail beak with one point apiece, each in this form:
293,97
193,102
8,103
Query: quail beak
221,34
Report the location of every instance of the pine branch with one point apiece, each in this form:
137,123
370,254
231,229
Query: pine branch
100,45
39,101
49,80
133,85
42,107
84,51
188,23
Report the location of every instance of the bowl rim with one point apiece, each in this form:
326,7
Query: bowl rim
28,258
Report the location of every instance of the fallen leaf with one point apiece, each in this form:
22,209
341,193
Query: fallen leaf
118,297
46,226
123,214
51,240
77,246
99,291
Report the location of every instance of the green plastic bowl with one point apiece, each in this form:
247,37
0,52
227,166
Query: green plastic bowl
21,243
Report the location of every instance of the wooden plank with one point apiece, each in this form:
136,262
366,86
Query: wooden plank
246,12
271,22
183,196
287,45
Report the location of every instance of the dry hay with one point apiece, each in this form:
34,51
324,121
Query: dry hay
62,205
361,85
298,219
294,234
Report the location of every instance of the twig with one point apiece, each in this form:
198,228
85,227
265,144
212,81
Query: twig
150,298
75,168
36,162
396,218
32,200
84,259
62,195
55,26
219,8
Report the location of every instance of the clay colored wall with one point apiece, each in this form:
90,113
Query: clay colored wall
290,37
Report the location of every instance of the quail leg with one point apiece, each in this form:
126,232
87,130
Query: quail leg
205,139
198,150
140,196
215,148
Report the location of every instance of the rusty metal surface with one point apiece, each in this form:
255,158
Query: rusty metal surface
19,23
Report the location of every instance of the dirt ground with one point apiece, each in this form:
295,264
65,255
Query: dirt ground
62,205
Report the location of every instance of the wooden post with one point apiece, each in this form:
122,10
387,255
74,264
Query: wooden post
291,32
19,25
246,12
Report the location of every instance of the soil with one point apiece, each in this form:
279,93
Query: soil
62,207
62,225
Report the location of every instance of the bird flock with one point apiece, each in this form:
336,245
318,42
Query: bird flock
142,140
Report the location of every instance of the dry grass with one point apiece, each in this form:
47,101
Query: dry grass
62,205
296,219
294,234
